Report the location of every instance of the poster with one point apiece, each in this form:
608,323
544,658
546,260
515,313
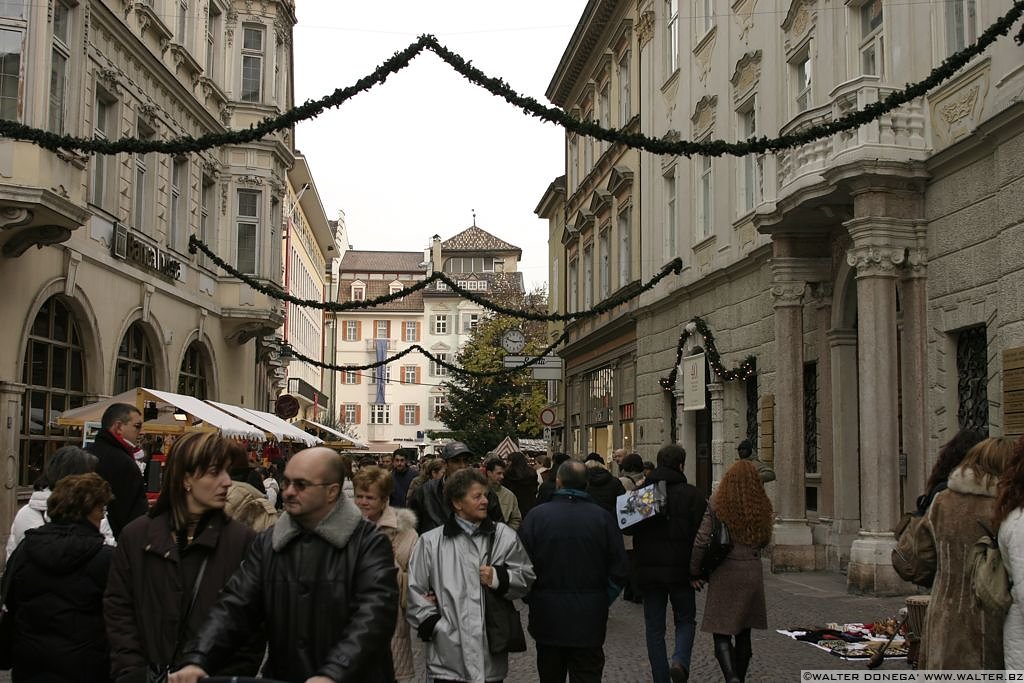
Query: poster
694,382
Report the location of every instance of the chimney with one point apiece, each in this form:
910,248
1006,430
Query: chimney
435,253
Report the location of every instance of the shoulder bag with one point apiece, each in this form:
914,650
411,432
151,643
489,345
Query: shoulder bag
719,547
158,674
641,504
913,558
989,579
501,619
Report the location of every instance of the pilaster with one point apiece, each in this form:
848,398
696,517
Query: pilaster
11,396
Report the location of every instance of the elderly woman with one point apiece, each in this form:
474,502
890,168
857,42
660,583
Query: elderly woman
171,564
373,487
452,565
54,586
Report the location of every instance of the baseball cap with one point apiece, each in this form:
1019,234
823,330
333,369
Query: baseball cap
456,449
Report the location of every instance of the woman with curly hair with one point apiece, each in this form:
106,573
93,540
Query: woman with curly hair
735,602
1009,518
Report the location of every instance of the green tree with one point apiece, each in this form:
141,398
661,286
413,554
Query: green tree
482,411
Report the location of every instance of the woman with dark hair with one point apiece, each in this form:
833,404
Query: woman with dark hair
451,567
950,455
54,588
521,480
1009,519
171,564
431,469
632,471
735,602
65,462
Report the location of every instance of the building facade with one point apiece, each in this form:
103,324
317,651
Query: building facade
111,299
873,275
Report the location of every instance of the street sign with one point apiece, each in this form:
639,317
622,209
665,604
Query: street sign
547,362
287,406
547,417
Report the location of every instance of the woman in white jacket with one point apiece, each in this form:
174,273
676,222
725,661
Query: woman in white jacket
1009,517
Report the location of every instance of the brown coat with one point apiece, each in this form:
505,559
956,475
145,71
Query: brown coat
735,599
957,633
399,525
150,586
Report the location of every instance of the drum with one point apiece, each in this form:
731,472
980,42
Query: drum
917,608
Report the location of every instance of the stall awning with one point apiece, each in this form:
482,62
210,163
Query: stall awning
198,410
269,422
335,434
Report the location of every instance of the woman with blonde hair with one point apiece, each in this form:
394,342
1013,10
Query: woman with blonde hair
735,602
373,487
957,633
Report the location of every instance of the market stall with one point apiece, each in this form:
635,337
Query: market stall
333,438
283,431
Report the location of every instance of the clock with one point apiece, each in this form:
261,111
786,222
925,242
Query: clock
513,341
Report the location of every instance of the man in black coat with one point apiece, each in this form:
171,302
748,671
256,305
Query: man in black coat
581,565
662,547
602,486
323,581
428,501
114,449
402,474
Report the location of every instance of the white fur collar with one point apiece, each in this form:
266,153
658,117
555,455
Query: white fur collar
336,528
969,482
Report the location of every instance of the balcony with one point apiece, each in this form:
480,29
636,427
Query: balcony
371,345
247,313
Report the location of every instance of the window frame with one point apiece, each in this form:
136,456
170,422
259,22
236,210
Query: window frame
253,223
802,73
351,413
671,36
752,165
20,30
604,262
380,413
670,240
957,38
440,325
438,370
247,55
105,103
56,117
705,195
410,325
623,76
177,221
436,404
872,39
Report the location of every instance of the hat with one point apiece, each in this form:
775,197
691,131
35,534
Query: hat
745,445
456,449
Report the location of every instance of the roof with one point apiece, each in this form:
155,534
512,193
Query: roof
382,262
477,239
584,43
376,288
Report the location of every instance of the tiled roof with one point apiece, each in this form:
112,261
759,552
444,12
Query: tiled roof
382,262
375,288
477,239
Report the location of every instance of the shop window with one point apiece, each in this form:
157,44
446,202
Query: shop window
192,376
135,367
972,379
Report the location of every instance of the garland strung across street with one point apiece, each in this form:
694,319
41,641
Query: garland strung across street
499,88
288,350
674,266
745,370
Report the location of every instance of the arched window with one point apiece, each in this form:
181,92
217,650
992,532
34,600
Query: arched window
192,376
55,374
134,361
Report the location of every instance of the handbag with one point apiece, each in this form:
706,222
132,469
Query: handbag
158,674
639,505
989,579
718,549
501,619
914,557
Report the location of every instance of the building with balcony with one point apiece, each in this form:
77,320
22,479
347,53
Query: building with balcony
111,299
873,275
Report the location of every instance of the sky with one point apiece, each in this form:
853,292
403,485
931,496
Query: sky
418,154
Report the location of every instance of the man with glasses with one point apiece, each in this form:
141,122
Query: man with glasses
322,582
114,448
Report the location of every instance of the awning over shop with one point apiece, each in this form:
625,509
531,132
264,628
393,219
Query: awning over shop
284,431
335,434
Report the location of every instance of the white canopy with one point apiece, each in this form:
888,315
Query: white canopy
284,431
335,433
198,410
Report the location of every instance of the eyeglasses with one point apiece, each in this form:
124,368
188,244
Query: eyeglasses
301,484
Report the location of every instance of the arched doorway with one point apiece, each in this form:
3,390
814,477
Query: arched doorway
135,365
192,376
54,372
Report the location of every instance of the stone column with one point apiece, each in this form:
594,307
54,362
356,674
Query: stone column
11,396
822,304
870,568
717,391
845,447
914,368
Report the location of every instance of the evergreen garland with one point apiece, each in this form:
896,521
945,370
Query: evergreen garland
674,266
499,88
745,370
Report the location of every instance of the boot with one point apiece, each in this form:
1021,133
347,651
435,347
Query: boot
743,654
726,656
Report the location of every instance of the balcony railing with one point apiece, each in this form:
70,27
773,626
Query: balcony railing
371,345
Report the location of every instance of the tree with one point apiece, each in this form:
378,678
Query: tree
482,411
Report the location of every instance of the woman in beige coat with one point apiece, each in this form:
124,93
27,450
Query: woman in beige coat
373,487
958,634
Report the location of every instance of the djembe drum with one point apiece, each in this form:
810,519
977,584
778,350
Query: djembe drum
917,608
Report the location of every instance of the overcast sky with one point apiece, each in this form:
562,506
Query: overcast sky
416,155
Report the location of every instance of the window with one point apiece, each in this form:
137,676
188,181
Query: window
192,375
102,126
625,248
60,53
11,45
351,377
625,110
669,241
248,230
436,404
436,369
381,329
572,163
351,331
383,373
351,414
872,61
672,35
972,355
145,172
13,9
206,216
469,322
573,286
411,331
409,374
588,276
802,81
468,265
604,112
604,255
588,147
380,413
135,367
961,24
179,203
410,414
751,164
440,324
181,33
358,292
704,198
213,38
707,12
252,63
394,288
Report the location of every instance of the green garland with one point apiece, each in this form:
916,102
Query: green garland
745,370
674,266
288,350
499,88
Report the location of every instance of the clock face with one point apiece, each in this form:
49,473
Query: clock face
513,341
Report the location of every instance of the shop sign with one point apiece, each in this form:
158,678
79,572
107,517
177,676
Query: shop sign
129,247
694,382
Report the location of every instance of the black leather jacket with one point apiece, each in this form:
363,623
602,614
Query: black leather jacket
329,598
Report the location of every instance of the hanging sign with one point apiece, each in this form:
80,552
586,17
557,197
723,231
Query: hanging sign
694,382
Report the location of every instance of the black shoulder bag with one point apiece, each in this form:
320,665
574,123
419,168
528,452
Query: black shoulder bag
501,619
158,674
718,548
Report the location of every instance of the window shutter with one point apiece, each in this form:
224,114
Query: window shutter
359,378
419,336
387,325
373,330
417,416
417,374
359,330
359,410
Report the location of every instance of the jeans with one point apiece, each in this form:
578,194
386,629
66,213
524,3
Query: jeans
684,610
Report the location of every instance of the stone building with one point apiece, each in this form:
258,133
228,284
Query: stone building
112,299
873,275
